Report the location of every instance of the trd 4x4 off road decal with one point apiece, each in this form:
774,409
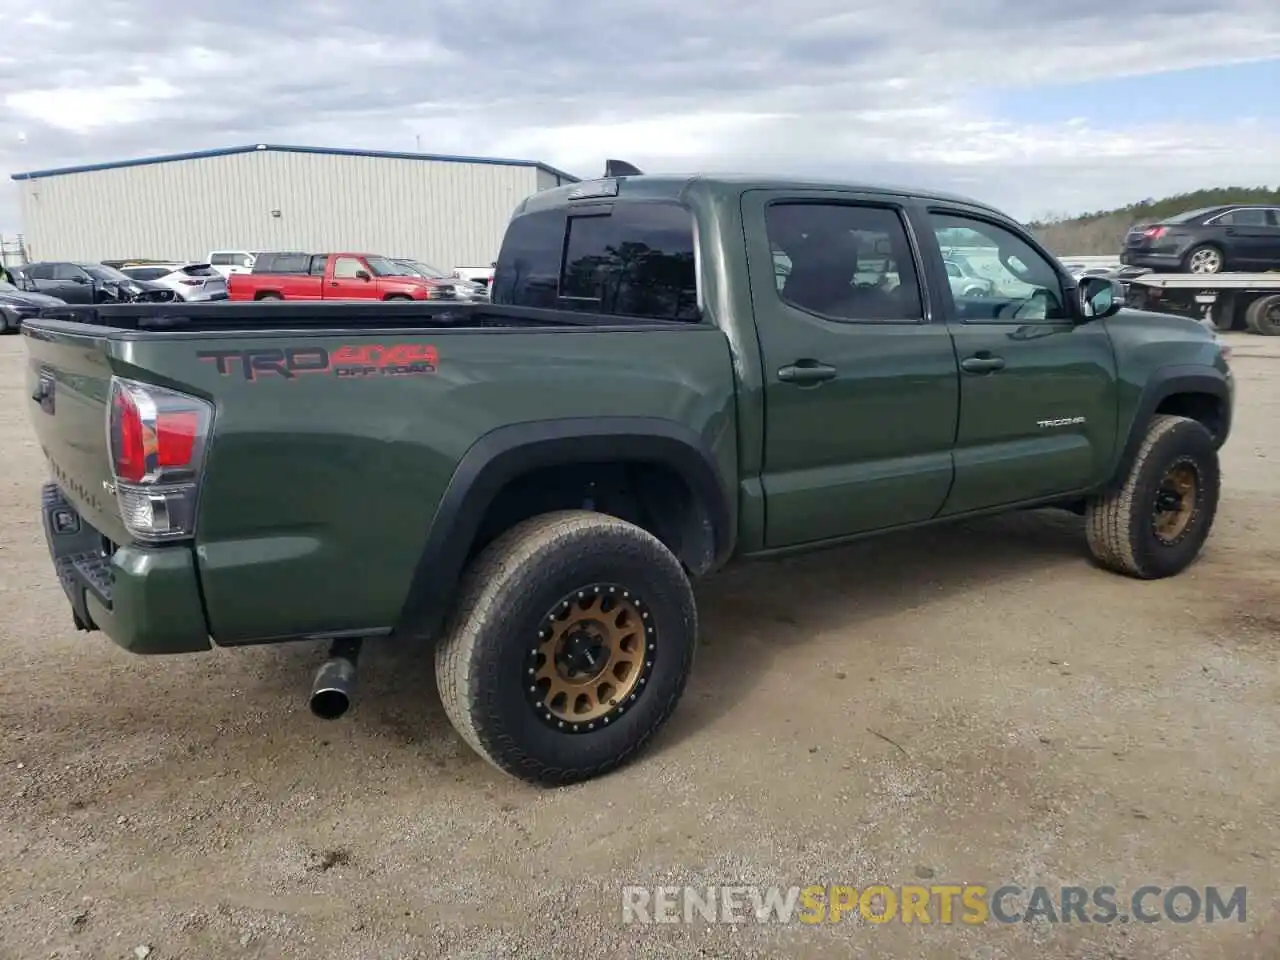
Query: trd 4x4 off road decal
397,360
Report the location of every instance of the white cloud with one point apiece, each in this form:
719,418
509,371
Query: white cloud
86,109
884,91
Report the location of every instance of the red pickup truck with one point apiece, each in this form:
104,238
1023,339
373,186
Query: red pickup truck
333,276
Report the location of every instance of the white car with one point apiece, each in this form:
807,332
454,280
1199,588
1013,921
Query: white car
482,276
192,282
227,262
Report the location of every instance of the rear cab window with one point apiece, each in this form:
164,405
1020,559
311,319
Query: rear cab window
291,263
623,258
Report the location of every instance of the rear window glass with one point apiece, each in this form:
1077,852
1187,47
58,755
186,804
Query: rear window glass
199,270
629,259
147,273
282,263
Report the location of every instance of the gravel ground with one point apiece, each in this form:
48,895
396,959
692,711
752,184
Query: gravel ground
972,704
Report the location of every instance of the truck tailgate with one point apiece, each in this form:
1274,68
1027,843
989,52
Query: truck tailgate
68,381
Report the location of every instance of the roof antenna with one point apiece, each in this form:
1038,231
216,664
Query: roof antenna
620,168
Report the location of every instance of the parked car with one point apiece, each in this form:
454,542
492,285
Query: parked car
964,280
18,302
227,262
82,282
333,276
534,489
465,289
479,275
192,282
1209,240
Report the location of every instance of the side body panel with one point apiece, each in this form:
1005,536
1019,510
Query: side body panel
321,486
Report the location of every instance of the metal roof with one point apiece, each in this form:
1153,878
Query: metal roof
285,148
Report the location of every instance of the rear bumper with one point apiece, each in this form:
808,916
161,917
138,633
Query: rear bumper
145,599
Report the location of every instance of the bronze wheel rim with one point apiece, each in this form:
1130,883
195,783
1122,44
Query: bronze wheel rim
1175,503
592,658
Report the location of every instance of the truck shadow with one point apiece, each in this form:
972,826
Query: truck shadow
754,614
759,613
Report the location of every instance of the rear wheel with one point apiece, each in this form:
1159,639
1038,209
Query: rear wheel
569,648
1263,316
1205,258
398,296
268,296
1155,524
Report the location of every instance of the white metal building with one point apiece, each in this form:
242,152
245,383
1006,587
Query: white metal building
448,211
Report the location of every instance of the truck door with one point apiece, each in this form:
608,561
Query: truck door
1038,392
351,279
860,387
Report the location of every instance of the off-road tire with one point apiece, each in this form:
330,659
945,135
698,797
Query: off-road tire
503,603
1120,525
1263,316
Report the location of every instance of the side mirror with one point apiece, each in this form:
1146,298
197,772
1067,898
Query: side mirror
1099,297
363,275
80,278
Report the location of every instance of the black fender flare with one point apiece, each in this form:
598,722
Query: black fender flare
1164,383
508,452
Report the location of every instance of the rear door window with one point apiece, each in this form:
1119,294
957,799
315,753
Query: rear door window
1244,218
624,259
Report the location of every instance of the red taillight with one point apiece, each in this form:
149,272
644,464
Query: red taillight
176,434
191,283
157,439
127,449
1155,233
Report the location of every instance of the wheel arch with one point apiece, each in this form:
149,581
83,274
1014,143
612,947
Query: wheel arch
698,526
1200,393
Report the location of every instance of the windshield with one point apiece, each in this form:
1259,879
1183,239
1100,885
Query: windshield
109,274
382,267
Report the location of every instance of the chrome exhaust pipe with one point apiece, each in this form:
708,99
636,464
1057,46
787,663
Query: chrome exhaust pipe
336,680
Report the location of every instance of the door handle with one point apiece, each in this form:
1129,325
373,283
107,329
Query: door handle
806,372
982,364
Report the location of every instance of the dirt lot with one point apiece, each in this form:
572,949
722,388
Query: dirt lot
975,704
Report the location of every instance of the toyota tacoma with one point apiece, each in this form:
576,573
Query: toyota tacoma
530,485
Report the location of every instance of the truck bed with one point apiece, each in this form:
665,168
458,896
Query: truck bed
348,315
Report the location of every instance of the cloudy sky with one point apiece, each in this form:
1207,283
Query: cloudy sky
1039,106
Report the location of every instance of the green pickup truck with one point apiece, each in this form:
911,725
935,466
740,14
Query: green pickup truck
531,484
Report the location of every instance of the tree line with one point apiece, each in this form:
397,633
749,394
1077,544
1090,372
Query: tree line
1101,233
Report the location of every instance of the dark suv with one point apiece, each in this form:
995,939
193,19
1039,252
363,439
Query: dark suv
1209,240
87,283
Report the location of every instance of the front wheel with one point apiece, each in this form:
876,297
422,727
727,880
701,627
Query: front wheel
569,647
1154,525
